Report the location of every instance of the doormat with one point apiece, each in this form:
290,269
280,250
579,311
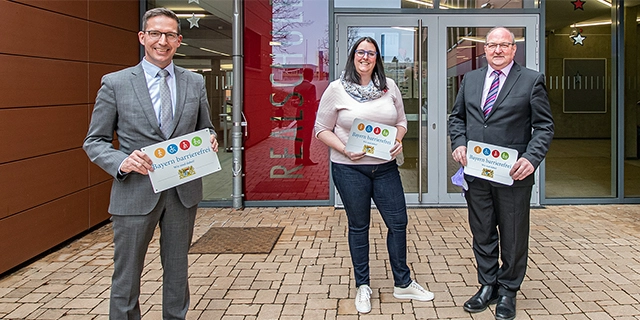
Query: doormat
298,186
237,240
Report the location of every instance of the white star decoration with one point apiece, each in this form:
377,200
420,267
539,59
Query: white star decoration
193,21
577,39
196,1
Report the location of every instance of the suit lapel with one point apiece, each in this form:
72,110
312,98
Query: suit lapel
478,86
139,85
181,94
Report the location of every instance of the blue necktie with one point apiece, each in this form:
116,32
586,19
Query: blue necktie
166,109
493,93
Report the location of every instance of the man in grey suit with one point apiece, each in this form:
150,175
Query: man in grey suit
503,104
143,108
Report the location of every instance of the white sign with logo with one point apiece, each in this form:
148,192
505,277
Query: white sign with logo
373,138
181,159
490,162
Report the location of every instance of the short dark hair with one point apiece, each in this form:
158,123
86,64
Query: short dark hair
307,74
159,12
352,75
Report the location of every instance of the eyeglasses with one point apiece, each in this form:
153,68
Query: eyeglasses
155,35
503,46
369,54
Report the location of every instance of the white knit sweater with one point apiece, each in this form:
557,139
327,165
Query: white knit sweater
338,109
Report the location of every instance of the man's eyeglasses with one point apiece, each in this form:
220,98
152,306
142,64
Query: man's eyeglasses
369,54
503,46
170,36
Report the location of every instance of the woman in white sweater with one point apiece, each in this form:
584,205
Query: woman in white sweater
364,92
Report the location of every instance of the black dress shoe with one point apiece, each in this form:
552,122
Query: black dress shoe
484,297
506,308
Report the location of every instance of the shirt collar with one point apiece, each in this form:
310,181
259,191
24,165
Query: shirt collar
504,70
152,70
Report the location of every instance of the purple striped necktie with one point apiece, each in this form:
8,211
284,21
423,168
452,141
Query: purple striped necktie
493,93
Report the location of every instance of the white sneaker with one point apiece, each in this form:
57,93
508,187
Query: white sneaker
363,299
413,291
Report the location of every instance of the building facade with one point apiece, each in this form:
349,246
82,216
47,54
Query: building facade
57,52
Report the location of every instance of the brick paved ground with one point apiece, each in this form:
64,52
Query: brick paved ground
584,264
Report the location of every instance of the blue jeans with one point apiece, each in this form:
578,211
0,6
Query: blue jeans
357,185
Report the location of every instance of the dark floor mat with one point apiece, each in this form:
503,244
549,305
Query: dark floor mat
237,240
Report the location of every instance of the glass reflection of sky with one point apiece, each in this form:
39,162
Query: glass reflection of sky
307,36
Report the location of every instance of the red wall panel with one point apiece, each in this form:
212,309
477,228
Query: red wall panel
112,45
118,13
73,8
30,132
98,203
35,181
42,82
29,233
35,36
52,58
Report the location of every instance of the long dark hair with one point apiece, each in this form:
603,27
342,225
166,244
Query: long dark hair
352,75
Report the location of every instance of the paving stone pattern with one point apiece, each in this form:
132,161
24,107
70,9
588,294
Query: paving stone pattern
584,264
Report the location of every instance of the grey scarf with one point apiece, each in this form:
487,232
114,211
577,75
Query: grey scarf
362,93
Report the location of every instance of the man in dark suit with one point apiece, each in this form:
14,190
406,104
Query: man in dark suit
511,111
146,104
306,108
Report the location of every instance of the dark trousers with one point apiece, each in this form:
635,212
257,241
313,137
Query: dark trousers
357,185
131,237
499,222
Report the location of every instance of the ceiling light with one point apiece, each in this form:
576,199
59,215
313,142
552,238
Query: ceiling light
424,3
430,4
473,39
189,15
482,40
605,2
405,28
596,23
590,24
486,5
216,52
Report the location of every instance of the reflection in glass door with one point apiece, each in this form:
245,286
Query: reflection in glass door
403,47
427,55
465,52
462,50
401,56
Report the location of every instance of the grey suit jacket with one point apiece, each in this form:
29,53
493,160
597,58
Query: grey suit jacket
520,118
123,105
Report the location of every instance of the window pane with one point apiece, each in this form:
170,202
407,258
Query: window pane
632,103
579,83
206,49
286,50
444,4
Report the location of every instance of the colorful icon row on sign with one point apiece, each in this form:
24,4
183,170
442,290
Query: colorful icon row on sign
172,148
376,130
488,152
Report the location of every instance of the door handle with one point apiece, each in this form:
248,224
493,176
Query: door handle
433,125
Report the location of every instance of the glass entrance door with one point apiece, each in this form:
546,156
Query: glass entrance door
427,55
